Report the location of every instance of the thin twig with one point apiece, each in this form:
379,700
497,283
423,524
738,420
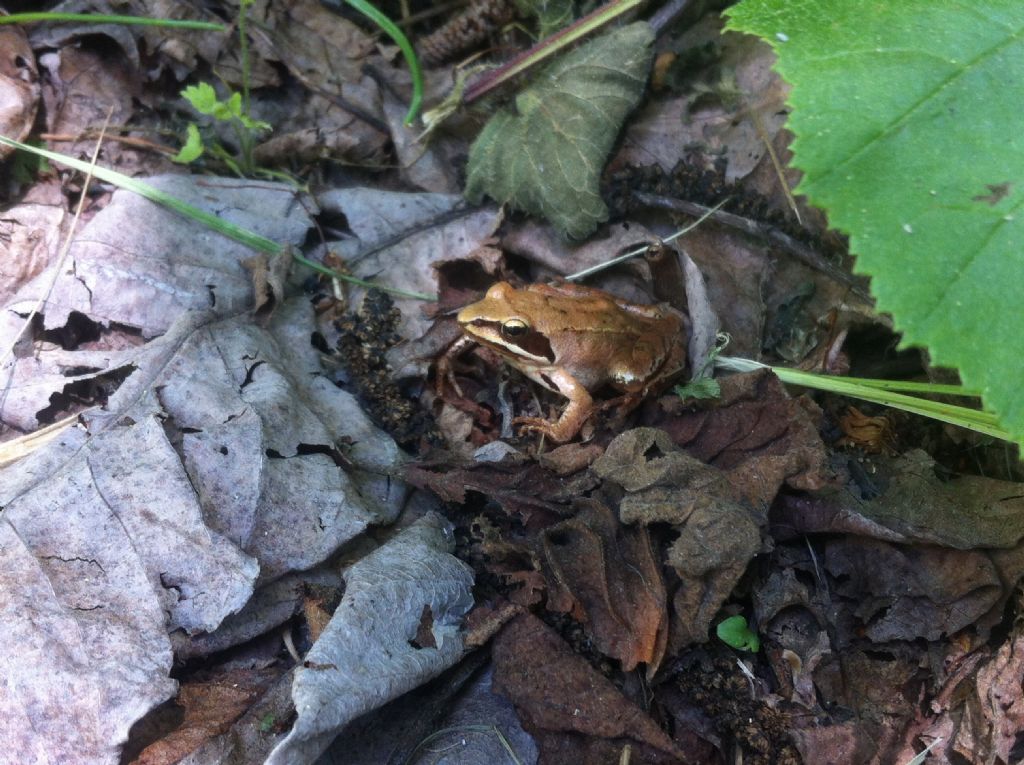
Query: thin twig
783,241
776,164
127,140
667,14
641,250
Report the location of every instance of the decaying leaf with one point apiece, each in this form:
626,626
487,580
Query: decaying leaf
209,707
904,501
216,461
29,240
730,104
717,534
546,156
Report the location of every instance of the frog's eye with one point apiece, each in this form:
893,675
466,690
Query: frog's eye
514,328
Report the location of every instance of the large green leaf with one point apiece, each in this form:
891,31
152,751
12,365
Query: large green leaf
546,157
908,125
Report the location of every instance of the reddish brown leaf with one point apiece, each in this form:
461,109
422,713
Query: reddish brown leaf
523,489
210,706
758,434
606,575
575,714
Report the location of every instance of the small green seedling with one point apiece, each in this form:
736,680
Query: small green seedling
704,388
734,631
203,99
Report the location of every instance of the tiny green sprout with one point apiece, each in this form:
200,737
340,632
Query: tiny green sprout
232,110
204,100
267,722
705,387
734,631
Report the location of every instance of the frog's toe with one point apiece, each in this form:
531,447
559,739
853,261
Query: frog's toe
542,426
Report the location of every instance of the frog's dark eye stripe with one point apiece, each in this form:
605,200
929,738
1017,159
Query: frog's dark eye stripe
536,345
514,328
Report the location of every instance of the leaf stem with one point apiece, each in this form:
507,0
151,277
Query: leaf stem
549,47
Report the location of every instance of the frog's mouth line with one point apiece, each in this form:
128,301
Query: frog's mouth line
532,345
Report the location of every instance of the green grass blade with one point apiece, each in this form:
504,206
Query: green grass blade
101,18
396,34
972,419
237,233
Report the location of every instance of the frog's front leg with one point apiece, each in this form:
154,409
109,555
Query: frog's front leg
445,371
581,406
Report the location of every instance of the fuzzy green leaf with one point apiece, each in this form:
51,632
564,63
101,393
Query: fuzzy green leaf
907,125
546,156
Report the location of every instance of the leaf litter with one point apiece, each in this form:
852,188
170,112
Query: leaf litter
225,490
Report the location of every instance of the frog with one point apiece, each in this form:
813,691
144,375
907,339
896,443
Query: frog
575,341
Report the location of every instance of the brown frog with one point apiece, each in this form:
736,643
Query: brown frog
575,340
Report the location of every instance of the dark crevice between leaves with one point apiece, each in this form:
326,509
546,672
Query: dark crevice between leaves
80,394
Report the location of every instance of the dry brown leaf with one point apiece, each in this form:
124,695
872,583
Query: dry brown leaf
83,88
605,574
910,592
758,435
210,707
574,713
904,500
19,85
731,105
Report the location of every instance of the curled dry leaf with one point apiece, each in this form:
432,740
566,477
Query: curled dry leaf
717,534
372,633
